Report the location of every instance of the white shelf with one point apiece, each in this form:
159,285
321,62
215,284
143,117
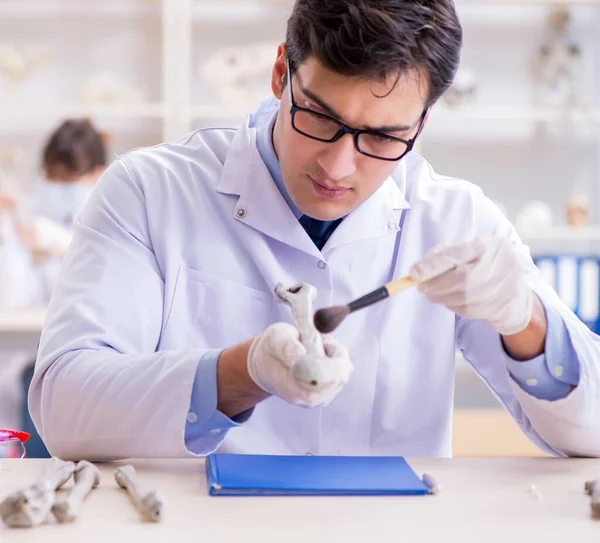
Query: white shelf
443,113
237,10
513,113
564,240
25,111
561,234
201,10
217,113
524,2
78,8
23,320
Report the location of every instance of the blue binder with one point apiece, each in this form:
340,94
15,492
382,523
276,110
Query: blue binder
270,475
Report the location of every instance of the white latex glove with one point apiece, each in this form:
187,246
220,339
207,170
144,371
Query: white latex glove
482,279
278,363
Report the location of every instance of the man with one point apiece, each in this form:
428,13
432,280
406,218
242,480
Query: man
164,337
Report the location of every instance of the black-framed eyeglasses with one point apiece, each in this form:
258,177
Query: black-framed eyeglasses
321,127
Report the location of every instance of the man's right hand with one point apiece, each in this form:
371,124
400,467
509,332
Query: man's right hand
279,364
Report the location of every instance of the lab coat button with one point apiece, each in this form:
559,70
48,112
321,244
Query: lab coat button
241,213
392,226
192,417
322,264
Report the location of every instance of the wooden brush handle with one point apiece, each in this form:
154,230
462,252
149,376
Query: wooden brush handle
399,285
381,293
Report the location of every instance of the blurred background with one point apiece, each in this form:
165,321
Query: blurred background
82,81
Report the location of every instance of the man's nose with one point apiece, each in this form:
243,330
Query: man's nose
338,159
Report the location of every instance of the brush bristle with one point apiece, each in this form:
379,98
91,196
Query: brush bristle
327,320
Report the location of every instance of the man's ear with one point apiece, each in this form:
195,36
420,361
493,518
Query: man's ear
278,73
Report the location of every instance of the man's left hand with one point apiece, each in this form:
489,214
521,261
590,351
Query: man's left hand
482,279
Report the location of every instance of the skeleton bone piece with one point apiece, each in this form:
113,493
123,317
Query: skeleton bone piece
592,489
32,506
431,484
315,369
87,477
149,506
301,298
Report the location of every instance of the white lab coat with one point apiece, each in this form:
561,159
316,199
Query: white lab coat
165,265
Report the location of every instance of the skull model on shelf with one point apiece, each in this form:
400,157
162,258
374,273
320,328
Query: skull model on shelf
558,63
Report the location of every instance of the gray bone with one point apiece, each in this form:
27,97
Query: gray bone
87,477
32,506
592,489
300,298
150,506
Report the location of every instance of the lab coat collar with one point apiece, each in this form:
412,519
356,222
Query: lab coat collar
261,205
243,148
237,161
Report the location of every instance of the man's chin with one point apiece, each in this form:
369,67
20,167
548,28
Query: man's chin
325,211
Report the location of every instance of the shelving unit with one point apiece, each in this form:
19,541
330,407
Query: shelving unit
191,29
515,150
178,109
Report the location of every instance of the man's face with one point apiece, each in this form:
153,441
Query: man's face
328,180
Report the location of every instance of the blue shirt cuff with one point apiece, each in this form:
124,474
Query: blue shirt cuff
206,426
551,375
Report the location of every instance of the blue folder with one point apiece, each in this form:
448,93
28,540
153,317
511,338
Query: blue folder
270,475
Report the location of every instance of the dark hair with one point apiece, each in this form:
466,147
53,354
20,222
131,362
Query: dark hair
376,38
76,147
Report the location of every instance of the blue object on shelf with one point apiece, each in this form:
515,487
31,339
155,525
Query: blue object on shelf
576,279
271,475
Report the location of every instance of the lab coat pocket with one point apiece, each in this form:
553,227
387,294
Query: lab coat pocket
213,312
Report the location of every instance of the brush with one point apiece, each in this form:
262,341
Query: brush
328,319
